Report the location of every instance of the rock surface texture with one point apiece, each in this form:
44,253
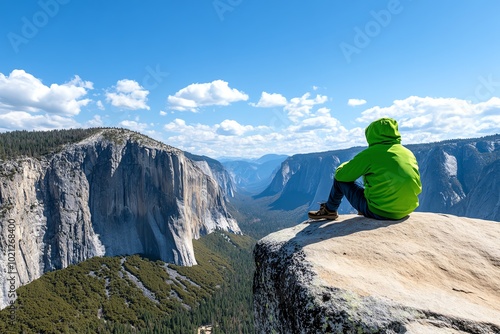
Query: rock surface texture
429,273
115,193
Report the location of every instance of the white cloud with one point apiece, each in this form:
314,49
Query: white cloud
270,100
320,132
356,102
424,119
21,120
300,107
232,128
95,122
420,120
323,122
199,95
100,105
128,94
26,103
21,91
163,113
323,111
133,125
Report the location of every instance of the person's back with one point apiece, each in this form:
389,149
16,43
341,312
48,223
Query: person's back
390,174
392,181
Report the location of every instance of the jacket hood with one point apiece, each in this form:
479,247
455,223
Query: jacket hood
383,131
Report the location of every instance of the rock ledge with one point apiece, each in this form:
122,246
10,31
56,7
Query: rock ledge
429,273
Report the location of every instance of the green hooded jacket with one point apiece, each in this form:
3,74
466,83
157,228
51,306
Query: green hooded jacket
389,170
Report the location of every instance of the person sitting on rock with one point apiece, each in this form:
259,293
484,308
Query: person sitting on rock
390,176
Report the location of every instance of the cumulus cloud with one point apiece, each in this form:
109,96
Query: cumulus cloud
424,119
128,94
133,125
199,95
323,122
205,132
95,122
300,107
21,120
100,105
323,111
21,91
211,141
421,119
27,103
319,132
356,102
232,128
270,100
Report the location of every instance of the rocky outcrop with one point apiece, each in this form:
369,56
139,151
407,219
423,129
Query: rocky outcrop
428,273
115,193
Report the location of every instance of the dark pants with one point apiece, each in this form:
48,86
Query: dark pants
354,193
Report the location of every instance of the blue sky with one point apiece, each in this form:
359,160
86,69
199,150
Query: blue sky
241,78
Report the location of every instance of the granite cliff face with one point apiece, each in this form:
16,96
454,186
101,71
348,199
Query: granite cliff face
460,177
216,170
430,273
114,193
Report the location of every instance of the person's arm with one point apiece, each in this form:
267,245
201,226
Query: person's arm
351,170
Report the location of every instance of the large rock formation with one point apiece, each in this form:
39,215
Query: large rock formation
115,193
460,177
215,170
428,273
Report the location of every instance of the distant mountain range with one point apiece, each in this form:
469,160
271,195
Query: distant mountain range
460,177
253,175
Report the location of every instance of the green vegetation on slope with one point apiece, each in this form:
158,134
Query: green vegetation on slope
136,295
38,143
256,219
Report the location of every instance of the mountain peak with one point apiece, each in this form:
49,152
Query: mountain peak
121,136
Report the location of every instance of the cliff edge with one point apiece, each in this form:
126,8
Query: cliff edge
428,273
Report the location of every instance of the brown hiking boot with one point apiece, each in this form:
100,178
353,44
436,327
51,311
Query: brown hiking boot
323,213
